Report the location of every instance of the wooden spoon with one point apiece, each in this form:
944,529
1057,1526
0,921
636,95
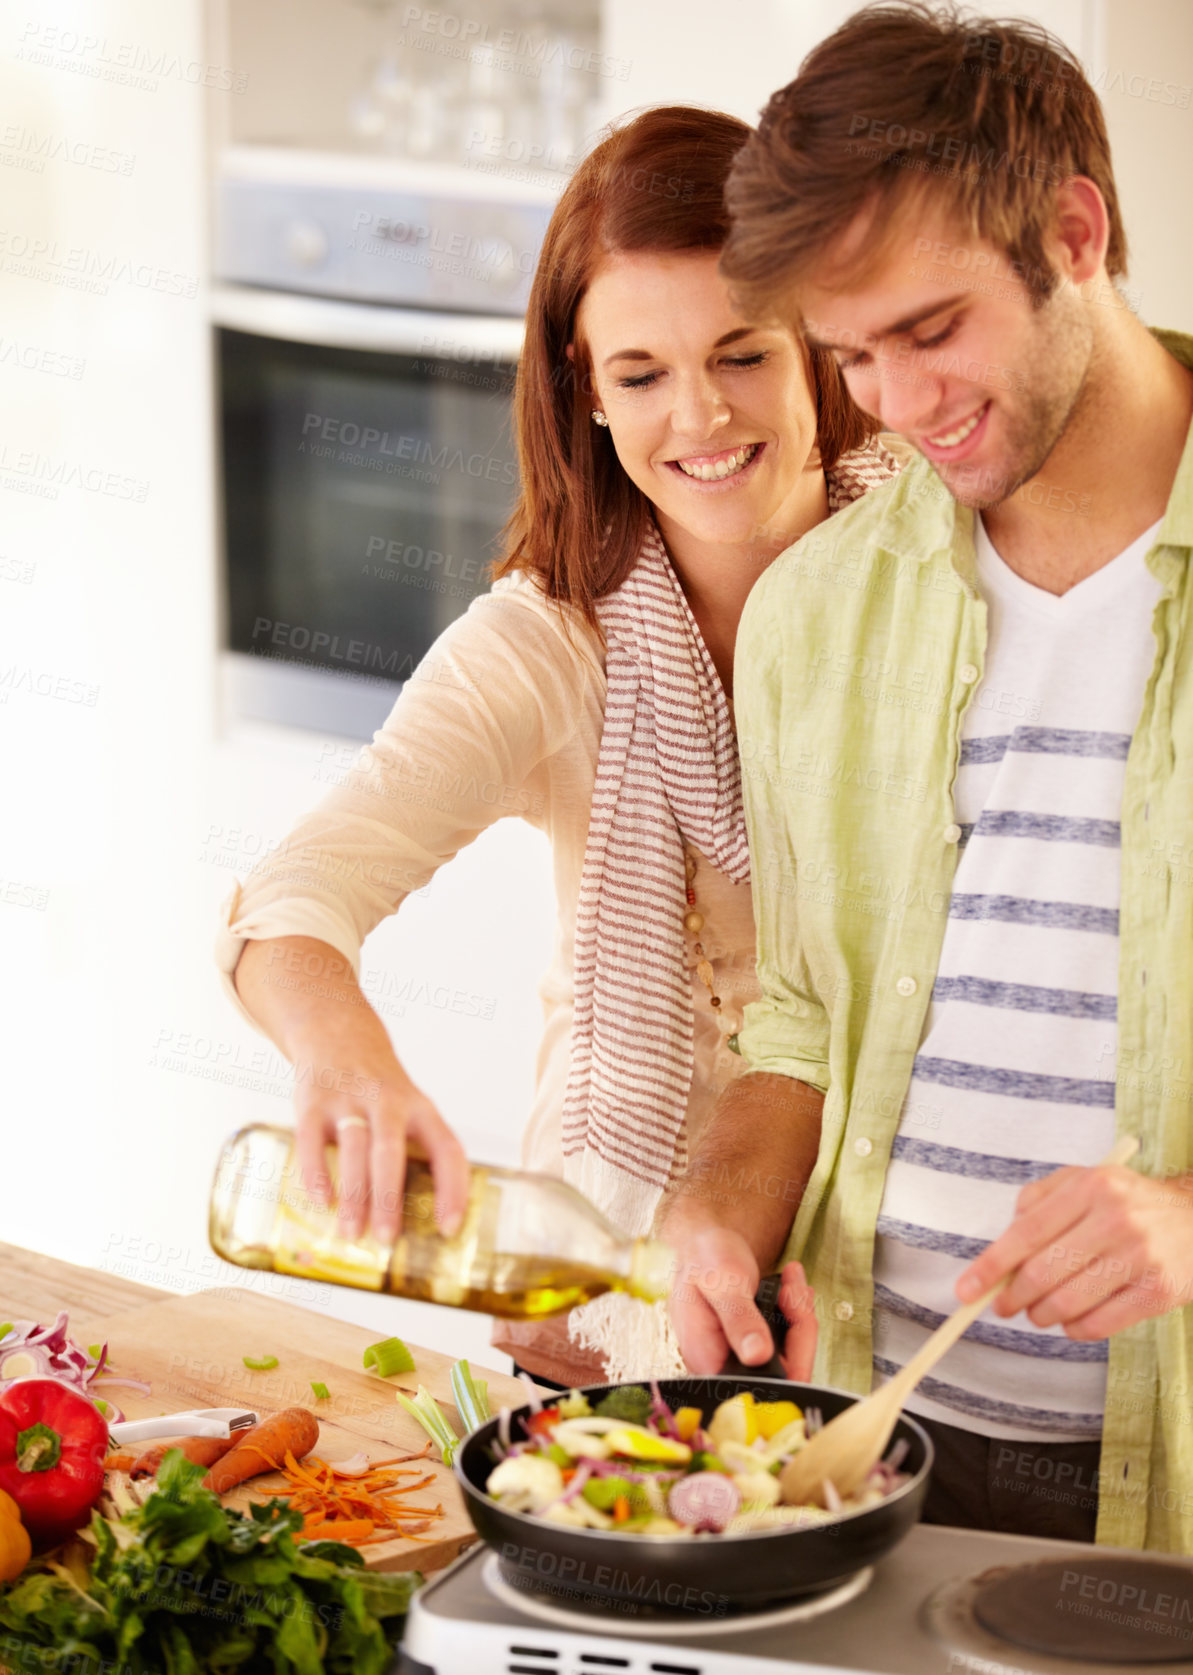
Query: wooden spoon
852,1444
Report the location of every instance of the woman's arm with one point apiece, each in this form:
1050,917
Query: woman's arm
305,996
501,691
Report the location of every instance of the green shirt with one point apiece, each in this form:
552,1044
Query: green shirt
858,654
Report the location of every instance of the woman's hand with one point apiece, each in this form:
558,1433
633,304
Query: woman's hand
350,1089
359,1099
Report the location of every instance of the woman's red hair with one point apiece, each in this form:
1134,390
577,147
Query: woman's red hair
656,184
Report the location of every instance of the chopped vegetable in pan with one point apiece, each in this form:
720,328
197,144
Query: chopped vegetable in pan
633,1465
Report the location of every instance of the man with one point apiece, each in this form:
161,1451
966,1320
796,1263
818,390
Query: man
965,712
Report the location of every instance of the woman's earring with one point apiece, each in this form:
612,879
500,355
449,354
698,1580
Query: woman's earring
599,418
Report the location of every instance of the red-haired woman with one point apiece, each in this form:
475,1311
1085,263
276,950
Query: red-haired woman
669,449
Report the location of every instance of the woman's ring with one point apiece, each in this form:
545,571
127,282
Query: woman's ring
352,1122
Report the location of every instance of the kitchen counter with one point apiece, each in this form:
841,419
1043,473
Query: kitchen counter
190,1349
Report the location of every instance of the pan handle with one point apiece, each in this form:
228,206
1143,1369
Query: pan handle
766,1299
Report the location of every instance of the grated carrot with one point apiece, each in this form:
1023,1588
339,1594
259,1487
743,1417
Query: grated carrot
358,1510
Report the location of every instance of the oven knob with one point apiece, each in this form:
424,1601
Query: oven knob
306,243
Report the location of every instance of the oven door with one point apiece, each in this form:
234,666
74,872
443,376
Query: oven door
368,466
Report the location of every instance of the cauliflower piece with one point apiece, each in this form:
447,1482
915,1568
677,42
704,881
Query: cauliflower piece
578,1514
585,1437
787,1440
741,1457
526,1482
758,1489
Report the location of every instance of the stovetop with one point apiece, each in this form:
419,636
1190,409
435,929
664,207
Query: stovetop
911,1616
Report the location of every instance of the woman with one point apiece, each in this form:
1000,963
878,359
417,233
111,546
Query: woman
669,449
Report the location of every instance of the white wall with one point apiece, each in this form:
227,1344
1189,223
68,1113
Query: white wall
126,798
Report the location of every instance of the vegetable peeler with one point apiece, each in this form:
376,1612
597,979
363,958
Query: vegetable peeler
195,1422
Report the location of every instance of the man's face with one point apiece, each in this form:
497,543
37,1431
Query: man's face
941,343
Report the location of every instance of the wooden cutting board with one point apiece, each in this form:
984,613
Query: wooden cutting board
190,1350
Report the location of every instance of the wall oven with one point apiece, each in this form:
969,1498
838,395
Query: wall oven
367,324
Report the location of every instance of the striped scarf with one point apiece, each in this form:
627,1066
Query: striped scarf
667,775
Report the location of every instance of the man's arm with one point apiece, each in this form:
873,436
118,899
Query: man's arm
729,1217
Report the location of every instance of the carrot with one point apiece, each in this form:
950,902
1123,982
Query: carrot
621,1509
293,1432
119,1462
361,1510
204,1451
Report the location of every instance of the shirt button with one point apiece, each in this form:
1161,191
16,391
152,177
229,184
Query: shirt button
843,1310
968,672
863,1147
952,833
906,986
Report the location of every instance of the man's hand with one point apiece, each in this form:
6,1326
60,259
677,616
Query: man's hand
1094,1249
713,1308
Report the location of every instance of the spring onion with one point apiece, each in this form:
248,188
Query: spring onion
6,1328
321,1391
472,1396
427,1411
388,1357
95,1350
266,1364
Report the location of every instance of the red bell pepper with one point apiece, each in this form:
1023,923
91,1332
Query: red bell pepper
52,1447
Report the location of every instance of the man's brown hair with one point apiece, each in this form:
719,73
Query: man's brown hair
911,103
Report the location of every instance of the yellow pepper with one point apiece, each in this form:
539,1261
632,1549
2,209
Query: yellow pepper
687,1422
16,1549
641,1445
774,1416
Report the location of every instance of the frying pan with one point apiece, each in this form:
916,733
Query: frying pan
701,1575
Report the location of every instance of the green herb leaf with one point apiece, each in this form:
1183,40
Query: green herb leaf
186,1586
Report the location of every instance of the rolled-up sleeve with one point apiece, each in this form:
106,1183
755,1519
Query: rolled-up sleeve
787,1030
500,691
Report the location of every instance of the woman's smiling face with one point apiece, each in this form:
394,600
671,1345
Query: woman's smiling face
711,415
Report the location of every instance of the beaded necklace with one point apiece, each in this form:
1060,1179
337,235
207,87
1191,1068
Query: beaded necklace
694,923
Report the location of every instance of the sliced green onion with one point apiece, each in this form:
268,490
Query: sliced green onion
472,1396
426,1410
93,1350
5,1329
321,1391
388,1357
103,1407
265,1365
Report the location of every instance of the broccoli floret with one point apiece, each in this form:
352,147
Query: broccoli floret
631,1403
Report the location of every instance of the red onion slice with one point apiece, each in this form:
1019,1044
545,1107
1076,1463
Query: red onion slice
704,1500
55,1356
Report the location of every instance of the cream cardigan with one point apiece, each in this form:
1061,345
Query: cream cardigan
503,717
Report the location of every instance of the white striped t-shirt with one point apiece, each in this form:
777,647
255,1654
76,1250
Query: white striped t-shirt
1014,1076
